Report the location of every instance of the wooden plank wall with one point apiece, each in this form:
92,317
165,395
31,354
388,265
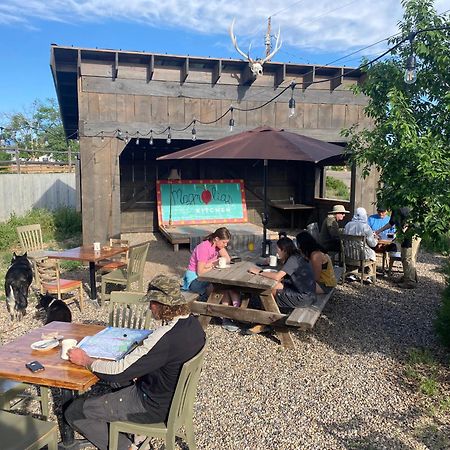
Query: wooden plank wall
131,101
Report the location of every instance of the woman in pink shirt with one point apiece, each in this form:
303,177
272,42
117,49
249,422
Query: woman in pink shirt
203,259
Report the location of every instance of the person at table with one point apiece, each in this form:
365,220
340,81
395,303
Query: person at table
320,262
150,372
329,233
400,218
379,220
296,286
203,259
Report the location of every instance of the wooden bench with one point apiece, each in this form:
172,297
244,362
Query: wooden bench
306,317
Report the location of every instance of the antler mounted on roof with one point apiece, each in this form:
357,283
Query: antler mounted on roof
255,65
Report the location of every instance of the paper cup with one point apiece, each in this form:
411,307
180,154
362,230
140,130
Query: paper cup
273,261
67,344
222,262
96,246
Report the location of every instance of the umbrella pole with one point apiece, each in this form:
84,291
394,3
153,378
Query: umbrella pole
265,219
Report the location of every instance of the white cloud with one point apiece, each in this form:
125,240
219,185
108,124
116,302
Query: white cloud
320,26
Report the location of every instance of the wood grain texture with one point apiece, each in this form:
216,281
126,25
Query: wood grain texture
86,253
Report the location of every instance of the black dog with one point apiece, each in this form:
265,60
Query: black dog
17,283
55,309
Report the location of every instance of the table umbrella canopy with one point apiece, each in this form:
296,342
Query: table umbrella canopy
263,143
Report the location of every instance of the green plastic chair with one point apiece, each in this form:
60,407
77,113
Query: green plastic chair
133,273
26,433
129,310
180,414
13,391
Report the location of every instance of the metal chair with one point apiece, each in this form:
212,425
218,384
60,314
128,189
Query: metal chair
129,310
26,433
30,237
133,273
14,391
313,230
115,262
50,281
180,414
354,258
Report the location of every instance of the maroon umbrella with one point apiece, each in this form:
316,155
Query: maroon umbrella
262,143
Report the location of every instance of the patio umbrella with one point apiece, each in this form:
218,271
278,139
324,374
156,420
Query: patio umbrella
262,143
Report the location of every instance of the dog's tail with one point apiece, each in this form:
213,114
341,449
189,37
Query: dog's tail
16,300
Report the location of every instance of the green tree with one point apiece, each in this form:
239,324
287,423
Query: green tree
409,142
37,129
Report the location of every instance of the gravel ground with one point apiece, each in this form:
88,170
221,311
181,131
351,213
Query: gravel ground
343,386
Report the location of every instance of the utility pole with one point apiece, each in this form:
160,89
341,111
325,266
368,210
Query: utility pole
267,38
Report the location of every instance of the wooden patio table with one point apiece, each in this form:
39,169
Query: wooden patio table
87,253
236,276
58,373
292,207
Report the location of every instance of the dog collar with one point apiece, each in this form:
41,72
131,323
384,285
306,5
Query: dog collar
51,303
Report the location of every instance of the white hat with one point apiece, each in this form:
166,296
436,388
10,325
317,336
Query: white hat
338,209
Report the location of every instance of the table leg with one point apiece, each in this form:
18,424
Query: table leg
214,298
68,441
92,282
270,304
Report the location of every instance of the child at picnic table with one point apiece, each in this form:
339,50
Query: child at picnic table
203,259
320,262
296,285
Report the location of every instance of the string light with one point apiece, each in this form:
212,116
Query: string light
137,138
103,137
126,137
231,122
194,132
151,138
169,136
292,101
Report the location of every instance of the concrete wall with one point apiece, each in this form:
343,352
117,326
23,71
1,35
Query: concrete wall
20,193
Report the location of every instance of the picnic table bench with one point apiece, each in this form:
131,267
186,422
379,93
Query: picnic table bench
238,277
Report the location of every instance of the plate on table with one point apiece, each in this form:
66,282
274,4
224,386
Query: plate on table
270,270
45,344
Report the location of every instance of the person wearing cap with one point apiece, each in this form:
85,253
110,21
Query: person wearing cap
149,373
329,233
379,220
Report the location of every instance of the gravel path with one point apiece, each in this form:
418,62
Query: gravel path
342,387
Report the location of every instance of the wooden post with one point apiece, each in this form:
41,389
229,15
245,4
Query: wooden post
16,151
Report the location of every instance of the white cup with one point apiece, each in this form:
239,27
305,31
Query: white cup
96,246
222,262
273,260
67,344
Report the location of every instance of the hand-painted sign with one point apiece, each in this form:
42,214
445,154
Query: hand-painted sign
182,202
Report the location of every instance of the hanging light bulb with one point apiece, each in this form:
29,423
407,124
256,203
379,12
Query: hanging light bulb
46,142
102,136
410,71
292,101
169,136
137,137
126,137
151,138
231,122
119,134
194,132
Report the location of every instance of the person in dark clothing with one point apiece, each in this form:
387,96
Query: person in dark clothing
409,246
150,372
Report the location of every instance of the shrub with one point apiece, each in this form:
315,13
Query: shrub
337,189
442,322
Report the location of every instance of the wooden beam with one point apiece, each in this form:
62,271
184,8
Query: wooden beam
184,70
217,72
115,71
280,75
337,79
151,68
309,78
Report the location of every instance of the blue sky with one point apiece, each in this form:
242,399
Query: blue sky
312,32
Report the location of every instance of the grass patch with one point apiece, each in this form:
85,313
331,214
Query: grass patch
337,189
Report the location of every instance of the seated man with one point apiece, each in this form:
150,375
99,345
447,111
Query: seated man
329,233
150,372
380,219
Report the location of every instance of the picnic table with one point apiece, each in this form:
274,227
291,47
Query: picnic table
58,373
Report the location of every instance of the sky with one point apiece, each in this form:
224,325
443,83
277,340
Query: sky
313,32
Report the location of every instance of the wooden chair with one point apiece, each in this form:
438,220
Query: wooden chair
50,281
14,391
133,273
26,433
180,414
30,237
354,259
129,310
116,262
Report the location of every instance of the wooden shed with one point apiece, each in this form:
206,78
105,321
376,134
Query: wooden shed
117,103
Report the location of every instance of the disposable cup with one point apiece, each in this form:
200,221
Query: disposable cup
222,262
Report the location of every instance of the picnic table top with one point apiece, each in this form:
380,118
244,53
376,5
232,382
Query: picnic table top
86,253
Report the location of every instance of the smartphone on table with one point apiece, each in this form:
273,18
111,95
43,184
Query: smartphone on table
34,366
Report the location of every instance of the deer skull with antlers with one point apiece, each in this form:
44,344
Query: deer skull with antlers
256,65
